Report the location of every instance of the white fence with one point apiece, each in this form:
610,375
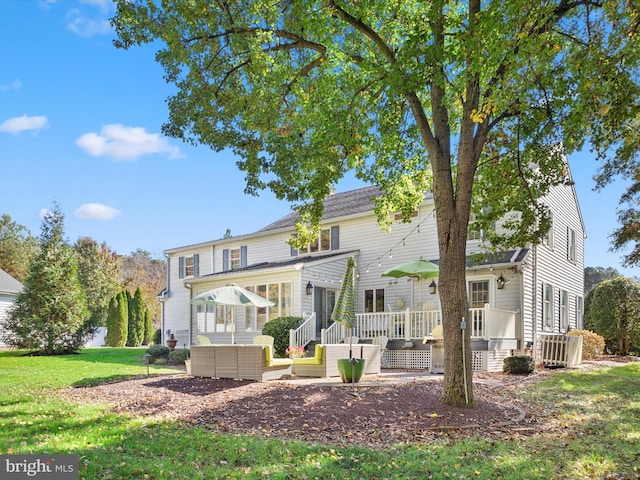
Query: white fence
559,349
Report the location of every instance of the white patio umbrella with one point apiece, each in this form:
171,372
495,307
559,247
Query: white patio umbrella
231,294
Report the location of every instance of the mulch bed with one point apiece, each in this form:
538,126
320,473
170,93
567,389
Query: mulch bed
375,416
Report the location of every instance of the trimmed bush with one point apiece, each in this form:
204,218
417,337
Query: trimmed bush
158,352
519,364
157,337
592,343
279,328
177,357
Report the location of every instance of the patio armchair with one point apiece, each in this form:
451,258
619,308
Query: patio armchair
247,362
203,340
382,342
324,362
263,340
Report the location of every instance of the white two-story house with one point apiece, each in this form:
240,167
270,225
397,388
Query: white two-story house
515,297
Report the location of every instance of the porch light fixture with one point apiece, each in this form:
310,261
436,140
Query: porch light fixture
309,288
433,287
501,282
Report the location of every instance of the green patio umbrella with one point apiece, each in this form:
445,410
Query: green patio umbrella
231,294
345,309
415,268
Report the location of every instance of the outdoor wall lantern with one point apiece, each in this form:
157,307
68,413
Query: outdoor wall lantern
309,288
501,282
433,287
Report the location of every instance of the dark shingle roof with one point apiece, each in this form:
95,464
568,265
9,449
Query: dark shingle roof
335,205
500,258
268,265
8,284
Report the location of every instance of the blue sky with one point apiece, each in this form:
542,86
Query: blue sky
80,125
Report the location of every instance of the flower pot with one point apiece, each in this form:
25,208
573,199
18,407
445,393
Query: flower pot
351,370
171,343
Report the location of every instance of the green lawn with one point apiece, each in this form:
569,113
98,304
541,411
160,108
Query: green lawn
598,434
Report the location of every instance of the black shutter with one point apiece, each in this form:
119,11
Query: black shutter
225,259
243,256
335,237
180,267
196,265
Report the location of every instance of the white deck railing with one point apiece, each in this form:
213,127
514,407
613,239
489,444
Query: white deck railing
305,333
485,323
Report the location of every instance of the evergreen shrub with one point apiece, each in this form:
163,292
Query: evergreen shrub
519,364
279,328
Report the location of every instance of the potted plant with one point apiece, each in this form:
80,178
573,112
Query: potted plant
295,352
171,343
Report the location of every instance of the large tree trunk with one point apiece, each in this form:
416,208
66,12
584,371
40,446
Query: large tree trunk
452,242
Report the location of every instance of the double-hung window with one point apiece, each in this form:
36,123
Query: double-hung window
571,245
564,310
188,266
547,306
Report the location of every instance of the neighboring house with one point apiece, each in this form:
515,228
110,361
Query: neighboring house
9,290
514,299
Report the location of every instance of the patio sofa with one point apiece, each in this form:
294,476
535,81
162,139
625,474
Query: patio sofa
246,362
324,361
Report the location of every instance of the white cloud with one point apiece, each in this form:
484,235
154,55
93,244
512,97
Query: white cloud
125,143
96,211
104,5
15,85
20,124
85,26
44,212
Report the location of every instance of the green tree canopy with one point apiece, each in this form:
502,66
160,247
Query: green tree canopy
475,101
595,275
118,320
141,270
50,313
612,309
99,276
135,334
17,248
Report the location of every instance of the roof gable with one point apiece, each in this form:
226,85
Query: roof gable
8,284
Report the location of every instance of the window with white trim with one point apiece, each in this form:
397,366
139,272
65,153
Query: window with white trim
547,307
548,238
205,319
280,294
235,258
323,244
564,310
374,300
571,245
188,266
579,312
473,234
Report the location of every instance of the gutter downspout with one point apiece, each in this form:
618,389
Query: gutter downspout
163,319
534,300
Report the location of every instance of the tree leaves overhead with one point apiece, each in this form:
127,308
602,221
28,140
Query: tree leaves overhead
476,101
